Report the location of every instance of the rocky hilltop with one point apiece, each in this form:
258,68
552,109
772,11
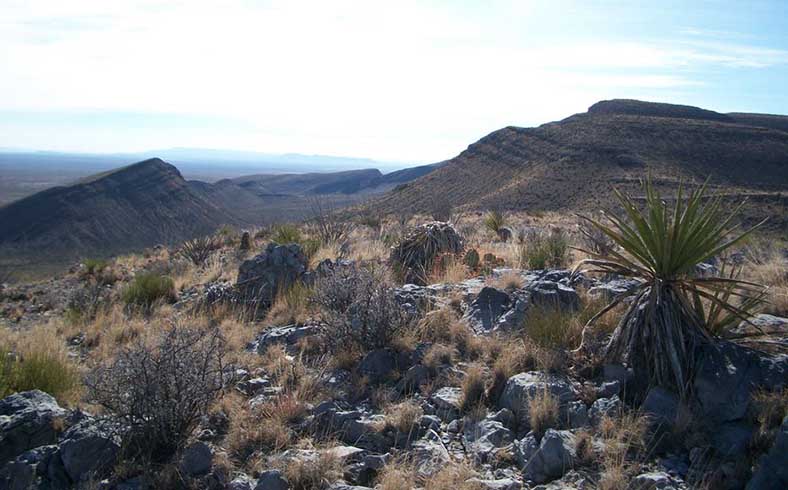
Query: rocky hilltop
573,164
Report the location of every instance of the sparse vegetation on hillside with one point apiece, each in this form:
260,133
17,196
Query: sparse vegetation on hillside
439,386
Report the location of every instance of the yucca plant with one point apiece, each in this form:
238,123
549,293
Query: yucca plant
660,246
198,250
494,221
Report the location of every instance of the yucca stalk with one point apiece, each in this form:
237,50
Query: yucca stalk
673,309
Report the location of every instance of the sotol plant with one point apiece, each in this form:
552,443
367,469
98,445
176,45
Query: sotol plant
660,246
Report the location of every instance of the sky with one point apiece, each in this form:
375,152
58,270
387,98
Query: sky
392,80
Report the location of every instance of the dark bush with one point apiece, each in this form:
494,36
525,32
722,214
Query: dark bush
359,308
156,395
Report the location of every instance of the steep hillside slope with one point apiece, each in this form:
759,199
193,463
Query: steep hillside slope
132,207
573,164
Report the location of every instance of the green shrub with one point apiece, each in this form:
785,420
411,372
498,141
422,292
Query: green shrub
95,266
544,250
37,368
287,233
148,289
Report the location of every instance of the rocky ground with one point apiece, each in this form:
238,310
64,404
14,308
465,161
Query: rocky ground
465,398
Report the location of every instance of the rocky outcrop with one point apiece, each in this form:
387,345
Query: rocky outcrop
27,420
262,277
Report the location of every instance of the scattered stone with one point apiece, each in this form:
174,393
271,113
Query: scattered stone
727,375
379,366
197,459
650,481
577,414
488,307
521,387
88,450
287,336
502,484
555,456
429,455
604,407
553,294
447,401
27,421
485,437
272,480
661,407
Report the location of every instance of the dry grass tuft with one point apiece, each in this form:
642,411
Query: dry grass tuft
624,439
438,355
542,411
403,417
290,306
508,281
38,359
312,474
473,387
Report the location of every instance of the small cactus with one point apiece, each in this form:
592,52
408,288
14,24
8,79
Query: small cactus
471,259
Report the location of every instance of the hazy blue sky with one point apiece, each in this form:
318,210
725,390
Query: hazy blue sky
396,80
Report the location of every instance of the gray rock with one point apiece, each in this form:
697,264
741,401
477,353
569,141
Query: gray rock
732,439
379,365
262,277
555,456
447,402
429,455
771,472
241,482
525,448
613,289
501,484
197,459
26,422
345,486
521,387
577,414
272,480
488,307
413,378
38,468
617,372
650,481
661,407
253,386
604,407
485,437
88,451
504,416
287,336
608,389
727,375
553,294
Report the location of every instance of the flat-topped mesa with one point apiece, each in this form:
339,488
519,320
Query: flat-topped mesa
655,109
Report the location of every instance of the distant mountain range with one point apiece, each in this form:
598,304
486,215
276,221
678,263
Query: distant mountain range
150,202
564,166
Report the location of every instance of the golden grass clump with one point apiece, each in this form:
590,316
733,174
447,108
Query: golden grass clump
474,385
542,411
38,360
313,473
290,306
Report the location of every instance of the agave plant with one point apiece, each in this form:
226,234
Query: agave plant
674,310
